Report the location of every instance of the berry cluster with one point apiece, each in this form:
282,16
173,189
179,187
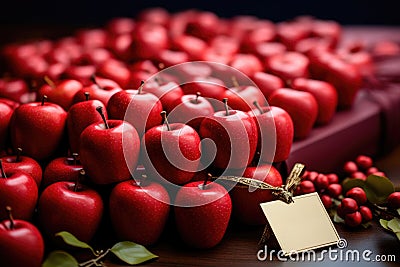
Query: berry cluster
361,168
327,185
351,208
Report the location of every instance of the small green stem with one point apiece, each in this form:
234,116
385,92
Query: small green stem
95,260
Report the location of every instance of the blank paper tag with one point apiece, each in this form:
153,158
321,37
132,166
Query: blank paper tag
302,225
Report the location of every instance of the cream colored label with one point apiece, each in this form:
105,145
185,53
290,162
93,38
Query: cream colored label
301,225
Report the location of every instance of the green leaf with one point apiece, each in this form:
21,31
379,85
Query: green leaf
337,219
378,189
71,240
398,211
60,258
349,183
366,225
394,225
132,253
384,224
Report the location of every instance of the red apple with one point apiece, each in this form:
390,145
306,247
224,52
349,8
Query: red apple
203,25
6,113
101,89
202,212
247,200
38,128
289,65
139,210
71,207
211,88
118,26
155,15
62,169
148,40
81,72
80,116
13,89
267,83
24,164
167,92
301,106
248,64
21,243
234,134
109,151
275,133
92,38
193,46
325,95
171,152
115,70
191,110
61,93
343,76
290,33
242,97
20,190
141,109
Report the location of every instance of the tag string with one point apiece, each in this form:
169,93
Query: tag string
284,192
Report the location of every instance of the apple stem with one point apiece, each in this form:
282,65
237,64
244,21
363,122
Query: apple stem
10,217
140,89
44,98
94,80
75,156
235,82
49,81
198,94
255,103
100,111
3,173
87,95
82,173
225,100
208,177
18,157
164,116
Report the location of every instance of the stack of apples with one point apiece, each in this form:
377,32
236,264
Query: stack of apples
103,114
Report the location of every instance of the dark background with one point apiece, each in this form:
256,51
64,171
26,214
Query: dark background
91,12
22,20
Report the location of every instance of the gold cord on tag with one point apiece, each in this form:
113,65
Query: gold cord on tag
284,192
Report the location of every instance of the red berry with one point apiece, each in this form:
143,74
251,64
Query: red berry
350,167
372,170
312,176
379,174
358,194
321,182
349,205
366,213
305,175
353,219
364,162
307,187
333,178
326,200
359,175
334,190
394,200
339,211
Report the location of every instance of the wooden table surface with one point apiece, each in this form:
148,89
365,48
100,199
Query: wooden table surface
239,246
